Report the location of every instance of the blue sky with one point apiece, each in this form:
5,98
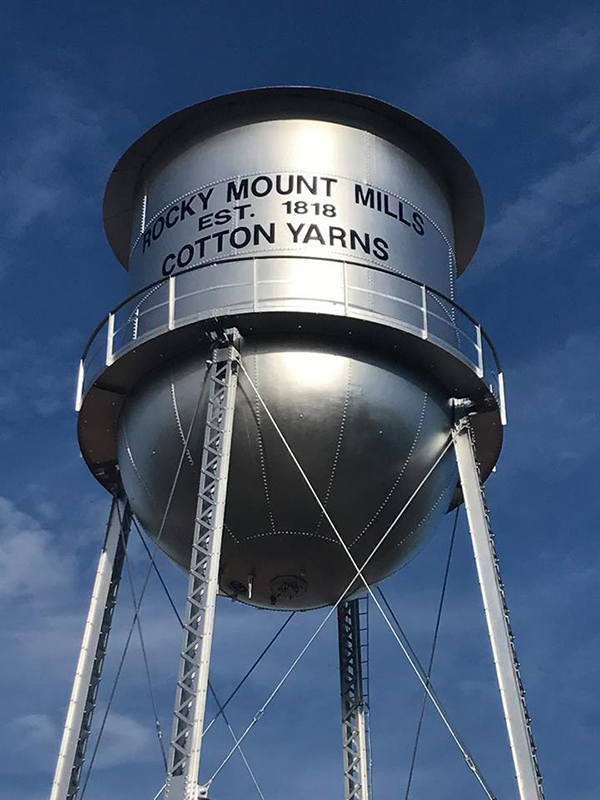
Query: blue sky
515,86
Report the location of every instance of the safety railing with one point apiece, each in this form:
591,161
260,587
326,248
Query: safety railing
276,283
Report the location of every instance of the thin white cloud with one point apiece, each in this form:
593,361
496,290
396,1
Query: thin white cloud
541,217
510,66
30,566
56,151
550,411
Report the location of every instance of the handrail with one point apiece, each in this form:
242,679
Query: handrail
371,267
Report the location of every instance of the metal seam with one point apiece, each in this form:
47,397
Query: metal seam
338,444
426,517
178,420
261,453
400,474
291,533
134,465
231,533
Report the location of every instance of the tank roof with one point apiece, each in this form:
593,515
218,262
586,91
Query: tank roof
285,102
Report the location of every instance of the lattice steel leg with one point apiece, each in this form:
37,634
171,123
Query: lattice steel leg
78,724
354,695
518,722
192,686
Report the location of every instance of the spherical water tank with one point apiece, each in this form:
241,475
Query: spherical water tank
365,430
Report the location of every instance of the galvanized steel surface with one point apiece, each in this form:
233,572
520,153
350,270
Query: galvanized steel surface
366,430
303,187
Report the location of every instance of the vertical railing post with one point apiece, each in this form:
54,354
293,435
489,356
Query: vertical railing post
171,302
425,331
80,379
502,398
110,332
345,280
254,285
479,351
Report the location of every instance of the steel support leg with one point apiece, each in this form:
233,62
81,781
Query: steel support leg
192,685
518,722
91,655
352,621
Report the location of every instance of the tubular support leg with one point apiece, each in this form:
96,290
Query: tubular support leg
77,728
355,734
518,722
192,685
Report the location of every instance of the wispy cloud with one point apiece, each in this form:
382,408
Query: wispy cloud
542,217
30,565
512,66
56,150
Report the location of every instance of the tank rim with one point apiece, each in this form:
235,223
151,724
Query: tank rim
334,105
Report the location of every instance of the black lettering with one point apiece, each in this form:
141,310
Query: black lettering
223,216
337,235
158,228
313,234
235,240
239,192
312,187
401,214
268,186
242,209
295,231
279,186
378,200
205,221
187,253
167,270
147,240
219,236
328,182
170,222
380,248
269,236
204,198
418,223
186,207
201,242
364,197
354,238
386,207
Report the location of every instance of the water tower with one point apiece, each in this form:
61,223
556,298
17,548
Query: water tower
284,398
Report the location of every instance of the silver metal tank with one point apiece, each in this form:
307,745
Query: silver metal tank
329,229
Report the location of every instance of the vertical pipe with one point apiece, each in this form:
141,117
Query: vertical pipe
517,719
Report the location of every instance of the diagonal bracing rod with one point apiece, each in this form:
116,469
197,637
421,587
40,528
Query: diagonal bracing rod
518,722
355,733
192,685
82,704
